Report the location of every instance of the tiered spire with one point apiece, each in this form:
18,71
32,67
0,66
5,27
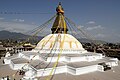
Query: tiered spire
59,26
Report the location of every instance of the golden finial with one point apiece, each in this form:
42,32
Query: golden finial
59,25
59,9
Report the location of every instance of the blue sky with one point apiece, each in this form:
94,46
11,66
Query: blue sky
99,18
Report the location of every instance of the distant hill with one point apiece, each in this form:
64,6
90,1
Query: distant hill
84,40
11,35
16,36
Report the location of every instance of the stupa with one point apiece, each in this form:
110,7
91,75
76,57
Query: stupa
58,53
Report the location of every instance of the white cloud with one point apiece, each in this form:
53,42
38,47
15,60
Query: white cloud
100,35
94,27
91,22
80,26
1,18
16,26
18,20
21,20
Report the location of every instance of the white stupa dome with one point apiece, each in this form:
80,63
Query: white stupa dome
59,41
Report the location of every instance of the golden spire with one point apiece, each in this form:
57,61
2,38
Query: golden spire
59,9
59,26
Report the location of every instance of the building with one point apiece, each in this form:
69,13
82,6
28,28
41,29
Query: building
2,51
58,54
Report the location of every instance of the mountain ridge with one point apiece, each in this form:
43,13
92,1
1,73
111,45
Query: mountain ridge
16,36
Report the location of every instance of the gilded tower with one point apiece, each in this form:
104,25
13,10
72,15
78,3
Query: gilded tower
59,26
